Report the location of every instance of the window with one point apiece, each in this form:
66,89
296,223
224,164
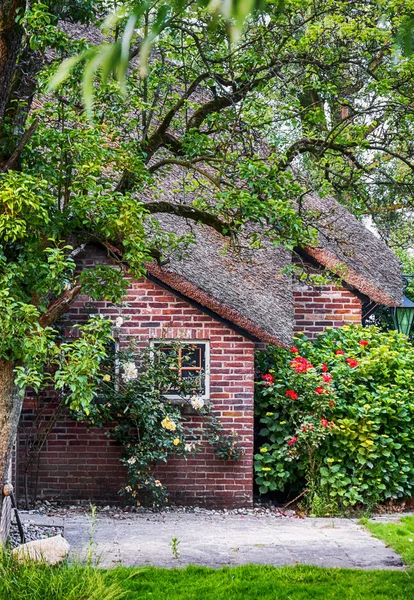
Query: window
193,361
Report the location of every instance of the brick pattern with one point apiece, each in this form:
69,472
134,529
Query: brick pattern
79,464
74,464
315,309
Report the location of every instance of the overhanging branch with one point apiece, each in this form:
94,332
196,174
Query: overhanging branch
186,211
59,306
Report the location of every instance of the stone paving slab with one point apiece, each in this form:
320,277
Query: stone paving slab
223,539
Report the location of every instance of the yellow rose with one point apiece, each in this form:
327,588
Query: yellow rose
168,424
176,441
106,378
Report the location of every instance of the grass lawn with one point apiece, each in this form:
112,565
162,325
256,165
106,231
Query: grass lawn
399,536
199,583
252,582
264,583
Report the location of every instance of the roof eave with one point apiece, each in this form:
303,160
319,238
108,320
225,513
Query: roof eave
352,277
189,290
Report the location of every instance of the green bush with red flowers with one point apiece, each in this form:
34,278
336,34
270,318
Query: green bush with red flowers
337,417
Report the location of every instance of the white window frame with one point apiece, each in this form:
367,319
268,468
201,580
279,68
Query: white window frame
206,344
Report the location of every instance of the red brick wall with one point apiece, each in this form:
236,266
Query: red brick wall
74,464
79,464
315,309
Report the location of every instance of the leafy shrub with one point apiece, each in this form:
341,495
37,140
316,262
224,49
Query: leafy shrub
134,405
337,417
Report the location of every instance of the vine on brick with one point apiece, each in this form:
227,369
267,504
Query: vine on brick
134,405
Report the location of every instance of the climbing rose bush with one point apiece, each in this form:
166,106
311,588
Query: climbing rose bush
135,408
338,418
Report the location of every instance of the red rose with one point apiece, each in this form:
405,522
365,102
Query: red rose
352,362
324,423
339,352
324,368
291,394
331,403
301,364
304,428
363,343
268,378
294,349
321,390
292,441
327,378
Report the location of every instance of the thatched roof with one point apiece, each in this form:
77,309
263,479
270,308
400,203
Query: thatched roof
243,286
369,265
249,288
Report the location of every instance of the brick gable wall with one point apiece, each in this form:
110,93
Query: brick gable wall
77,463
315,309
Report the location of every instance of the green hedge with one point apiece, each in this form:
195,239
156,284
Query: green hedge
337,416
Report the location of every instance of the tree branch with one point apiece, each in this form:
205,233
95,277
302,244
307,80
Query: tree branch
316,147
189,212
189,164
59,306
157,138
20,146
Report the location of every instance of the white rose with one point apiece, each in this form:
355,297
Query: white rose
196,402
130,371
119,322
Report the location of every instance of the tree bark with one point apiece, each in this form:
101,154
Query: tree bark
10,39
11,402
13,132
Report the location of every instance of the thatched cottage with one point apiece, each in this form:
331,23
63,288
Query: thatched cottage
226,303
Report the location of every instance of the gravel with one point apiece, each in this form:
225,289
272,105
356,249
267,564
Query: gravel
32,532
54,509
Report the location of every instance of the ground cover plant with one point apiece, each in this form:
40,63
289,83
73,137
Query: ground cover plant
399,536
336,418
255,582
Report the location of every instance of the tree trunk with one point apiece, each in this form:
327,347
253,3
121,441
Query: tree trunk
11,403
10,38
21,93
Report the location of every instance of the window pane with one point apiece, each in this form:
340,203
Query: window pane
191,358
170,353
196,378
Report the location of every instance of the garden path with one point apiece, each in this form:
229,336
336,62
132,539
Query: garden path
217,539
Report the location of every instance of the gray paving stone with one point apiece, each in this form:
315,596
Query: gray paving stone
217,540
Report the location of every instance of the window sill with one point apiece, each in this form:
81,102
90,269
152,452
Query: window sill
185,407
